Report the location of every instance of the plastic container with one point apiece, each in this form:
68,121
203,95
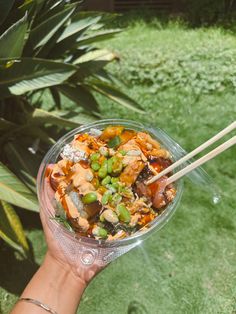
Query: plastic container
86,250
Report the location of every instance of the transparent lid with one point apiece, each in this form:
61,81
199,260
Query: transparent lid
198,176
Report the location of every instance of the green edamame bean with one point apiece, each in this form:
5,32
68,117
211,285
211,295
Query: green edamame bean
126,192
121,188
122,152
116,165
95,156
106,197
102,219
106,180
103,151
95,166
89,198
123,213
104,164
114,159
102,172
115,186
109,165
102,233
116,198
114,180
111,188
117,169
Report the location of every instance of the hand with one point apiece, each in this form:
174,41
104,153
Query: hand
58,284
55,251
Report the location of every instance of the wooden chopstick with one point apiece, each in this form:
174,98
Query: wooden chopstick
218,150
196,151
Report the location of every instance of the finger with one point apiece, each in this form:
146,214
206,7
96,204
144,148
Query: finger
48,198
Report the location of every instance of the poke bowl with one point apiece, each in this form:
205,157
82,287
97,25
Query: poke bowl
91,187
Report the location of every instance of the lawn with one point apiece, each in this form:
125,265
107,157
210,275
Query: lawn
185,79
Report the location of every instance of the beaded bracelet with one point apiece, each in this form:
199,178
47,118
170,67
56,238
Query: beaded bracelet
43,306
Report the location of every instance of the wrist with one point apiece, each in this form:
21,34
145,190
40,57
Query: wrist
54,285
62,270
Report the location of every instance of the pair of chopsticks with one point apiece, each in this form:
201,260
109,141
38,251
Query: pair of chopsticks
218,150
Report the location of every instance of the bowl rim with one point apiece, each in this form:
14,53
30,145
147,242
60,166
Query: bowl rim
155,224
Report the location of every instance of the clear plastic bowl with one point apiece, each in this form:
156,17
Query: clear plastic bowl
101,252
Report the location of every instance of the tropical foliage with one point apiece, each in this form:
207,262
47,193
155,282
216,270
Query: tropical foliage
47,54
208,12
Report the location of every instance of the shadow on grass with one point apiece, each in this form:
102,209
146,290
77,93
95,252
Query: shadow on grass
15,272
136,308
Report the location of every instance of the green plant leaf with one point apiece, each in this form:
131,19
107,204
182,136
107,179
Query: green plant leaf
41,117
77,117
97,36
6,125
23,163
80,95
33,9
37,132
70,35
43,32
115,94
96,55
11,229
104,16
50,8
28,74
13,191
51,4
13,39
93,61
78,26
5,7
39,3
105,76
56,97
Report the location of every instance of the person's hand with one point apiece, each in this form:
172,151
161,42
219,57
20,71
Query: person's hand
56,253
59,282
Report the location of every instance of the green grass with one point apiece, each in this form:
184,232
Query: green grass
189,266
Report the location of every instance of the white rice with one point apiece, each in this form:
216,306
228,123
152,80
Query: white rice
73,154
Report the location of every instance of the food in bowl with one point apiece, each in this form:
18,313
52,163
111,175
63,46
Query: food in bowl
99,183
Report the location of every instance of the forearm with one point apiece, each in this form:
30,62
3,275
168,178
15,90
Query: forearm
53,285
